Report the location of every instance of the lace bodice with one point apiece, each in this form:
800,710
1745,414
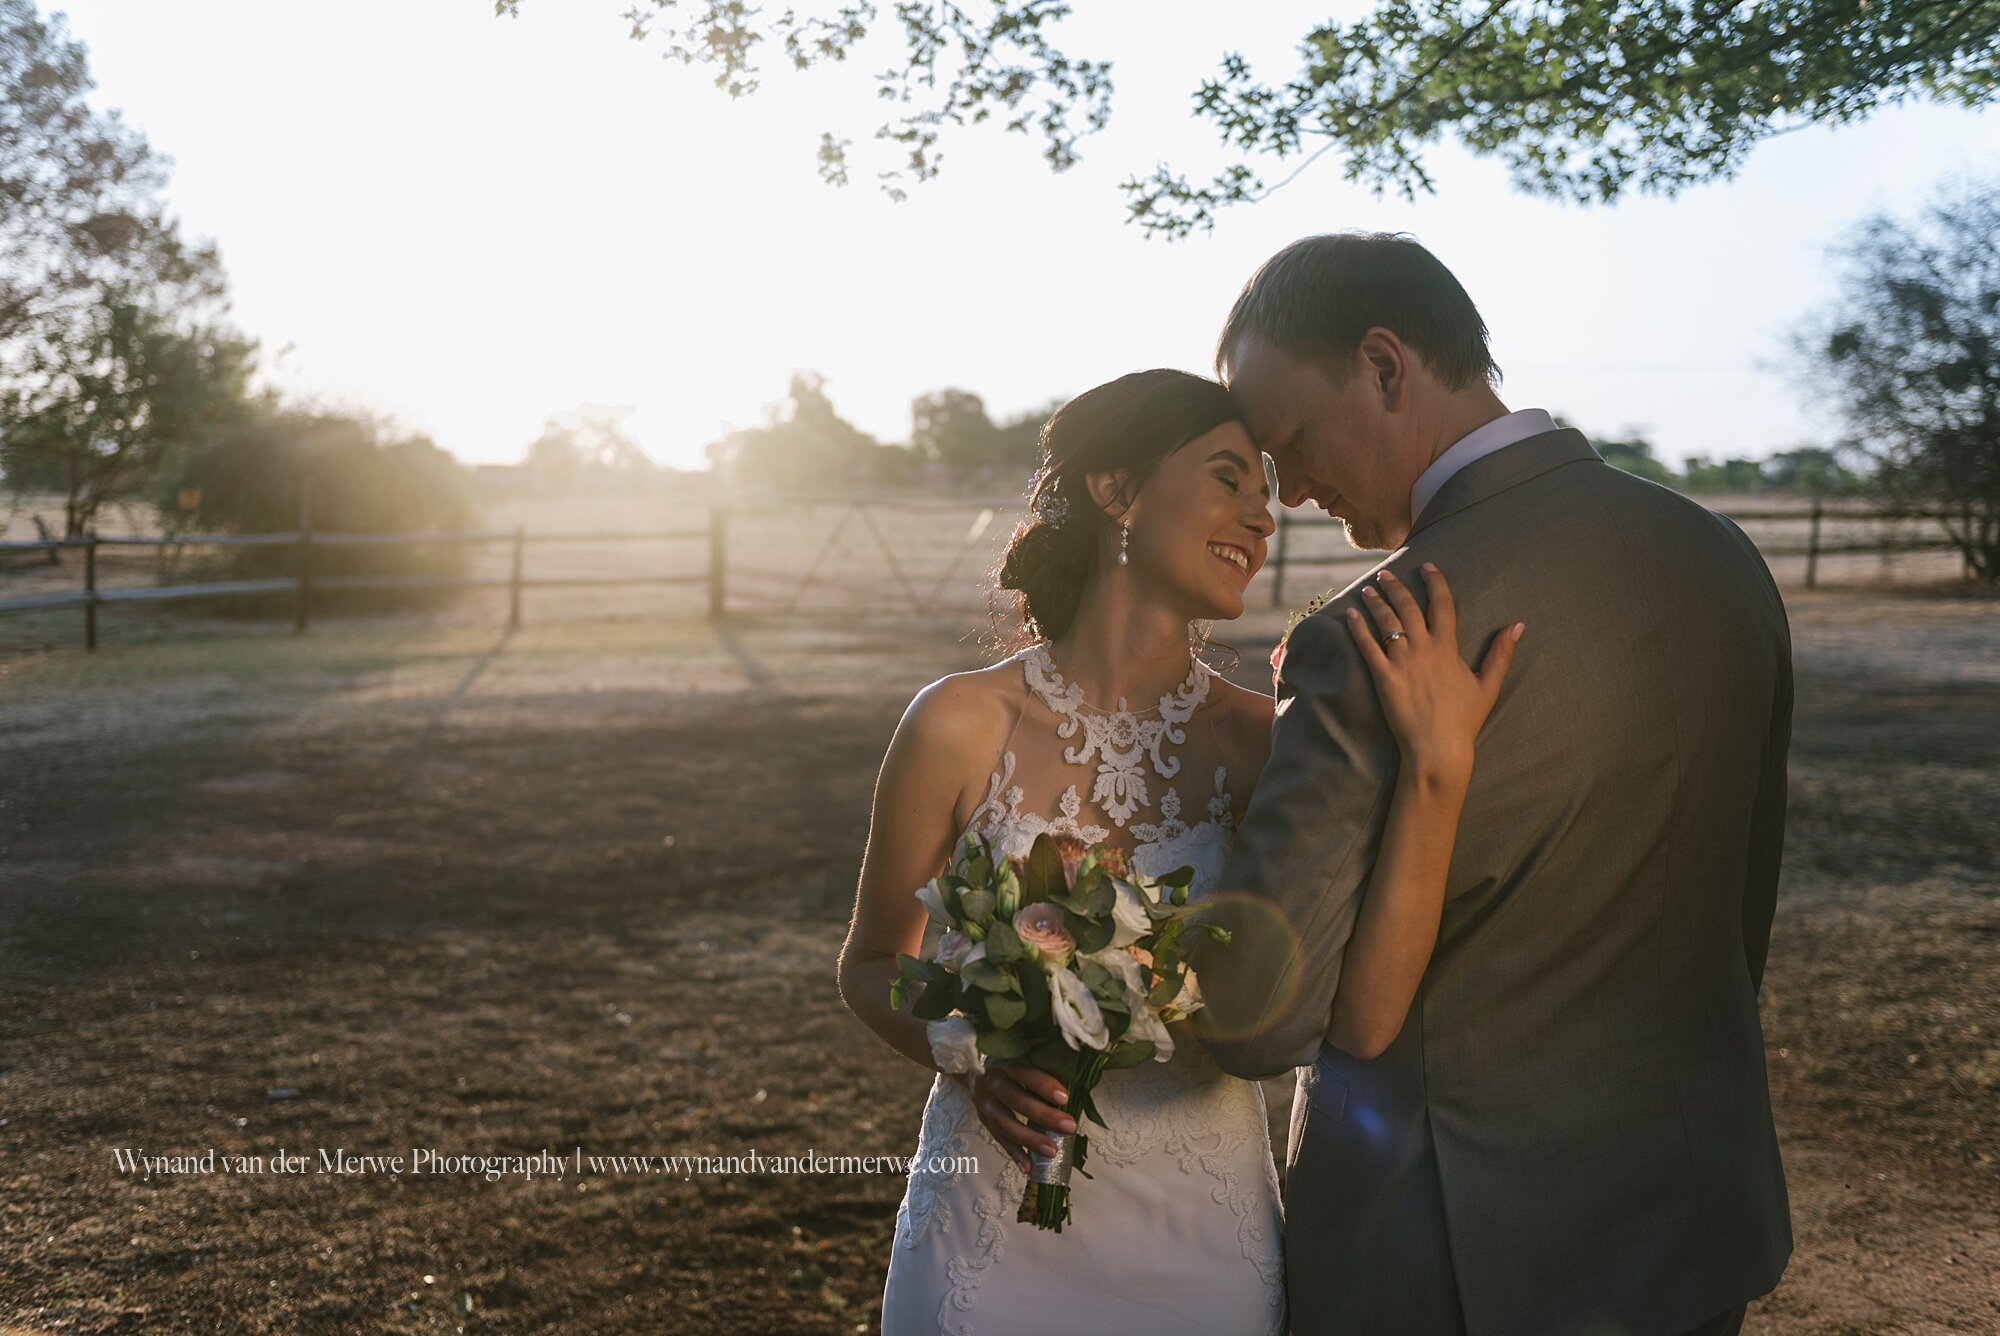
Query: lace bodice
1124,745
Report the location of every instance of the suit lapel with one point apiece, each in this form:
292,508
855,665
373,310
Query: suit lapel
1506,467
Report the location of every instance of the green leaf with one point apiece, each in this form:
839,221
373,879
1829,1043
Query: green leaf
978,903
1042,878
1005,1011
1129,1054
1003,1045
1091,934
1034,991
1003,944
1057,1059
936,1002
986,975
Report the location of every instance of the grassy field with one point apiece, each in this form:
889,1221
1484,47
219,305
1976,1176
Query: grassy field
424,883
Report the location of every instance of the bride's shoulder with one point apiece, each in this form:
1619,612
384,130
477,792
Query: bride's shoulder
966,709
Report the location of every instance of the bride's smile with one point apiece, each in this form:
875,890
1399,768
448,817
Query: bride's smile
1199,526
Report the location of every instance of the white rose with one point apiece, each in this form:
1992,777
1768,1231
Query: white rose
1122,966
1076,1011
932,896
955,1045
1128,915
1187,1002
1146,1024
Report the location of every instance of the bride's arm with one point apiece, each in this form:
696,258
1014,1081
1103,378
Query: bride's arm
910,837
1435,705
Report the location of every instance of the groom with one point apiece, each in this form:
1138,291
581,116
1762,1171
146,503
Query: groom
1572,1133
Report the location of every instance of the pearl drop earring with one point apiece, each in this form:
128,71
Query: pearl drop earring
1124,540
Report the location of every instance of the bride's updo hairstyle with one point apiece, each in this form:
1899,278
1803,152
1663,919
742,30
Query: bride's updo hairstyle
1129,426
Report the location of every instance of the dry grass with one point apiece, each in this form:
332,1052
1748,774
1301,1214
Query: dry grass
583,885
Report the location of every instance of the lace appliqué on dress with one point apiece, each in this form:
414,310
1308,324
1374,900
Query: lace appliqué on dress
1119,739
999,810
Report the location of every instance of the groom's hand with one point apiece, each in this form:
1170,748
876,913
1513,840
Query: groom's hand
1004,1095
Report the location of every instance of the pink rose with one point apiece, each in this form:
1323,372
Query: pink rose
1041,926
1140,954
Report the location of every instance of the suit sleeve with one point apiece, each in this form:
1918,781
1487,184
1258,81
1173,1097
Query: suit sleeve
1291,888
1767,818
1767,827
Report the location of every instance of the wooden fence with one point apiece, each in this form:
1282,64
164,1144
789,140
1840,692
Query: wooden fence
303,584
785,591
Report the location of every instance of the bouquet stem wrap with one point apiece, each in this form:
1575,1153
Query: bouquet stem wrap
1045,1199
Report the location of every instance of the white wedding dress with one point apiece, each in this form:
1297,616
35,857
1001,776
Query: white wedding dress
1179,1228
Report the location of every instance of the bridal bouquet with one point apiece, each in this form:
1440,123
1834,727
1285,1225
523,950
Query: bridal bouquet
1067,960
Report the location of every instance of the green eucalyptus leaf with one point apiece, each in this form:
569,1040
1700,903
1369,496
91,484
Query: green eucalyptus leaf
1042,877
986,975
1129,1054
936,1002
1003,944
1005,1011
978,903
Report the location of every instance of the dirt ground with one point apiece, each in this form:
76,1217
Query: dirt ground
400,885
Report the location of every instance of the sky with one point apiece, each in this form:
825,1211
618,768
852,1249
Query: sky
472,223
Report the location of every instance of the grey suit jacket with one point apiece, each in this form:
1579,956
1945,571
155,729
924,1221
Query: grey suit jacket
1573,1131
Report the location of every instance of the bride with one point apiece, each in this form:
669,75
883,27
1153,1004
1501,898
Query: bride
1150,515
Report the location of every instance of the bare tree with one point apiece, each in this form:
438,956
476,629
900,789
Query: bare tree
1910,354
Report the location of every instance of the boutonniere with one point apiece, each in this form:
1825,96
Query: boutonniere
1298,615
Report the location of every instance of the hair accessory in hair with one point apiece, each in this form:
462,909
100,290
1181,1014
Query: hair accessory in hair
1053,507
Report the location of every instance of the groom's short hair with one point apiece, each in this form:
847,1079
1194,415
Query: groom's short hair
1319,295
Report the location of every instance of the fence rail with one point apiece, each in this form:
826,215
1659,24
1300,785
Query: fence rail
303,583
785,591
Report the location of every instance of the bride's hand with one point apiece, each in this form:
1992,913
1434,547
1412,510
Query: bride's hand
1001,1092
1435,704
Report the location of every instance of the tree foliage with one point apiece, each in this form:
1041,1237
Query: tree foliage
97,412
1582,101
587,450
80,213
1636,457
365,476
951,427
111,350
1910,356
806,446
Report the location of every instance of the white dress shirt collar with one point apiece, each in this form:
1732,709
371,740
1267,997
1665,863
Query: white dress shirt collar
1480,441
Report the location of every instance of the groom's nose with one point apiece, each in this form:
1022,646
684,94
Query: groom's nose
1293,488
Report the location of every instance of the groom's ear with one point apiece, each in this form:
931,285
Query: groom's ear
1388,363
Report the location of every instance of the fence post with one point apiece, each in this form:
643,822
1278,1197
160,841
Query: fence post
514,584
1812,546
1278,559
718,547
302,612
90,590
